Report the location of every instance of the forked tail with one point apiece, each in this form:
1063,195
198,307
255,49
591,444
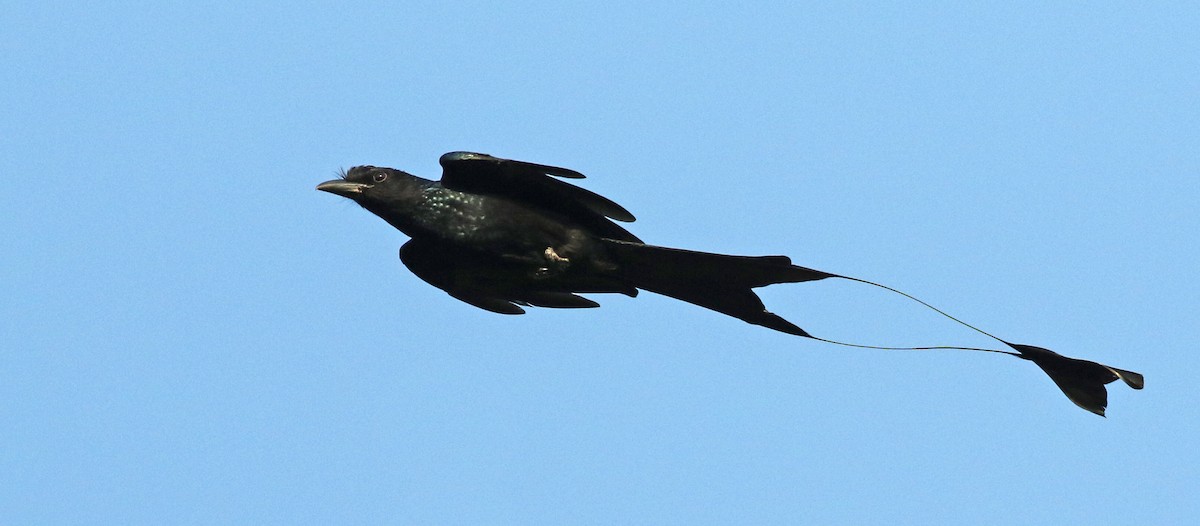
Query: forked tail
719,282
725,284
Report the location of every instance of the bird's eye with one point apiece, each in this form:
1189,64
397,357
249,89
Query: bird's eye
379,177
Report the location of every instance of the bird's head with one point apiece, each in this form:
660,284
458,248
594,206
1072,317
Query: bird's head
385,192
366,183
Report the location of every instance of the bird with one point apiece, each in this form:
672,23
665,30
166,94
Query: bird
503,235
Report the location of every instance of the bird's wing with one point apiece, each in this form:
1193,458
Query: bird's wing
492,284
532,185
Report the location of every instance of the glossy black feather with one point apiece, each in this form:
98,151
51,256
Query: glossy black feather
503,235
1082,381
533,185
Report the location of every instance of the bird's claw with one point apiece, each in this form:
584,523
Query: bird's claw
555,264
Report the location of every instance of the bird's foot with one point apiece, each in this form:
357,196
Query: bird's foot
555,264
554,258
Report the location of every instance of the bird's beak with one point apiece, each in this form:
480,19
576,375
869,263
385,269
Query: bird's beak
343,188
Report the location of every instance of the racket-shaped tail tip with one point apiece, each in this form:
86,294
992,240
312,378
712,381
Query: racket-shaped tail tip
1082,381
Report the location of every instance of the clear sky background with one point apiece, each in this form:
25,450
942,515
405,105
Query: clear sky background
191,334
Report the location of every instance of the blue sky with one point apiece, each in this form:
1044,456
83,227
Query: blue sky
191,334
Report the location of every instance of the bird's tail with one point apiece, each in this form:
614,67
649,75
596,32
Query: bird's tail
1082,381
725,284
719,282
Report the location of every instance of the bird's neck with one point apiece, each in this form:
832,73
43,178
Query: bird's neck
402,205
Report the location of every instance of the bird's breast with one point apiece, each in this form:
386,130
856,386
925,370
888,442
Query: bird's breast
488,223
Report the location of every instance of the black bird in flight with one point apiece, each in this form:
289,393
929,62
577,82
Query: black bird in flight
501,234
